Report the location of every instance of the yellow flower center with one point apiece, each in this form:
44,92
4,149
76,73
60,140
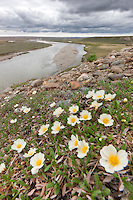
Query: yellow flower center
73,120
85,116
44,129
76,143
57,128
27,110
105,121
109,97
113,160
99,96
74,110
19,146
38,162
30,153
84,149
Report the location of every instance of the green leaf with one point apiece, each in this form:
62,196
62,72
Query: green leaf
22,197
97,180
47,168
128,186
37,198
106,192
76,180
57,189
49,185
96,192
2,196
22,183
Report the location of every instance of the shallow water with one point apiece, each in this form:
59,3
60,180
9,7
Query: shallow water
35,64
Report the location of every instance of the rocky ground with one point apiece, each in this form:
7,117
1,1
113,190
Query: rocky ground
114,67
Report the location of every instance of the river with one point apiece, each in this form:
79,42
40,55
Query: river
35,64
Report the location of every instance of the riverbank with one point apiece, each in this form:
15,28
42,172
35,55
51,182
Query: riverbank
14,46
40,63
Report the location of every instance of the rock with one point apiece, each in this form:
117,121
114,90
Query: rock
114,77
84,89
36,83
7,90
51,85
116,69
75,85
67,93
104,66
64,102
117,62
84,77
97,73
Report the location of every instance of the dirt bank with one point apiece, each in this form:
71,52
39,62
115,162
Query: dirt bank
66,56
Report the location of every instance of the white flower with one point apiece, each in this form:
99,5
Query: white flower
85,115
95,104
34,92
98,95
72,120
106,119
58,111
83,149
125,100
37,162
52,104
23,107
109,97
13,121
2,167
73,143
30,152
43,129
16,105
26,110
18,145
31,98
90,94
112,160
74,109
56,128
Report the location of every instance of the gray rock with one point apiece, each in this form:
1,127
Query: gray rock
84,77
84,89
64,102
116,69
117,62
114,77
104,66
36,83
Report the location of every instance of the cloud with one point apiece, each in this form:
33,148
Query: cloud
91,16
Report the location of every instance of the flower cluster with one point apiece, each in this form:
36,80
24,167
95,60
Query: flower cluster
110,159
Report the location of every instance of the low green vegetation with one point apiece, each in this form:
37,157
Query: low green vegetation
64,175
100,46
19,45
91,57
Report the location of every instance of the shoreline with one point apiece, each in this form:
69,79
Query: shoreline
64,59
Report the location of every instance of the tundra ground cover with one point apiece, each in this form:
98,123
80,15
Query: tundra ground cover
54,169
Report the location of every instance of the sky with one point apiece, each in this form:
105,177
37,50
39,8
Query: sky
70,17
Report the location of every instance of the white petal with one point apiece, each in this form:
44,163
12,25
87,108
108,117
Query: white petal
34,170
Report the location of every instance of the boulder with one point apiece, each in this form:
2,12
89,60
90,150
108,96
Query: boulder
75,85
116,69
114,77
36,83
84,77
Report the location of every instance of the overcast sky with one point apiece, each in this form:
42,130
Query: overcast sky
70,16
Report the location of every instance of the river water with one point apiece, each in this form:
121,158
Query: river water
35,64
